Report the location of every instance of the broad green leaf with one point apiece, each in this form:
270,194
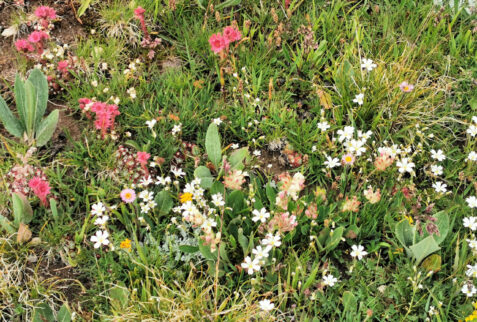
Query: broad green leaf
188,249
243,241
27,211
312,278
432,263
212,144
38,79
335,238
164,202
424,248
205,251
237,157
17,204
64,314
20,100
46,128
443,225
6,225
119,296
31,100
236,201
43,313
405,233
227,3
206,179
54,209
84,6
11,123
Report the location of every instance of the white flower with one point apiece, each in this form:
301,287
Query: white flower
365,136
235,146
208,224
471,201
151,123
439,187
261,215
257,153
368,64
266,305
329,280
474,119
144,182
251,266
217,121
261,252
358,251
437,170
145,208
405,165
101,238
359,98
323,126
472,156
177,172
218,200
472,243
472,130
471,271
469,289
101,221
356,147
438,155
272,240
346,133
94,83
97,209
470,222
330,163
176,129
146,195
132,92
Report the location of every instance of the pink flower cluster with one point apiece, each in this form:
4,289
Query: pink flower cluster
147,42
45,14
105,114
221,41
35,38
41,188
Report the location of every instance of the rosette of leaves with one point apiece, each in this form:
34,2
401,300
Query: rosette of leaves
420,245
31,97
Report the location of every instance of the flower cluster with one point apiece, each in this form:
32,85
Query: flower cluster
20,174
289,187
36,39
105,114
221,41
147,42
41,188
471,222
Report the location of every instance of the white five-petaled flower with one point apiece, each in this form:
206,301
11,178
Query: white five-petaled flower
261,252
331,163
250,265
266,305
260,215
438,155
359,98
405,165
323,126
346,133
272,240
472,130
437,170
358,251
469,289
368,64
471,201
471,223
97,209
329,280
101,238
217,121
177,172
218,200
472,156
439,187
176,129
208,224
471,271
472,243
101,221
151,123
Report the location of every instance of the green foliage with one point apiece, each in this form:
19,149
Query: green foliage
31,98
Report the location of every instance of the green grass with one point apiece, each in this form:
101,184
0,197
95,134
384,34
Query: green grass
305,79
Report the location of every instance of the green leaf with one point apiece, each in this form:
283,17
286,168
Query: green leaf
46,128
17,204
43,313
237,157
271,193
205,251
20,99
243,241
119,296
11,123
38,79
64,314
432,263
443,225
335,238
188,249
424,248
31,100
54,209
164,202
6,225
227,3
349,301
312,278
405,233
206,179
84,6
212,144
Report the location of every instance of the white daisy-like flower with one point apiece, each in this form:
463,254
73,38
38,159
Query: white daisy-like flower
368,64
176,129
101,221
266,305
439,187
438,155
208,224
437,170
472,156
469,289
177,172
472,130
150,124
405,165
329,280
472,243
250,265
358,251
471,201
323,126
471,271
471,223
346,133
260,215
331,163
272,240
217,121
218,200
98,209
146,195
261,252
359,98
101,238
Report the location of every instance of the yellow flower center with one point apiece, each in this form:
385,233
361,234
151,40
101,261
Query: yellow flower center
185,197
348,159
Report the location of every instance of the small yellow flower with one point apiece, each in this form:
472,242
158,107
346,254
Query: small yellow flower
185,197
125,244
409,218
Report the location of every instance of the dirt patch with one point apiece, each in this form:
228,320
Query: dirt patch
272,163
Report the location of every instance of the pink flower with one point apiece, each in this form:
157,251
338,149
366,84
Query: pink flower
45,12
348,159
23,45
105,116
139,12
142,157
128,195
217,43
63,66
37,36
406,87
41,189
230,34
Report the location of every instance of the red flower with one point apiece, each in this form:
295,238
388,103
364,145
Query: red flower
23,45
139,12
45,12
37,36
41,189
63,66
142,157
217,43
231,34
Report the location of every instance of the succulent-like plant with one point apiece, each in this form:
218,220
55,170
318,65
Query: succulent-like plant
31,97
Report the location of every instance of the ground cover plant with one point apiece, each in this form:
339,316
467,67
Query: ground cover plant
238,160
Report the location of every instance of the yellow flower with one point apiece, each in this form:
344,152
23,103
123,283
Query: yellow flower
409,218
125,244
185,197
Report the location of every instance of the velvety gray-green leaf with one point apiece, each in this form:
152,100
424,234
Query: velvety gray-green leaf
38,79
20,99
11,123
30,108
212,144
46,128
